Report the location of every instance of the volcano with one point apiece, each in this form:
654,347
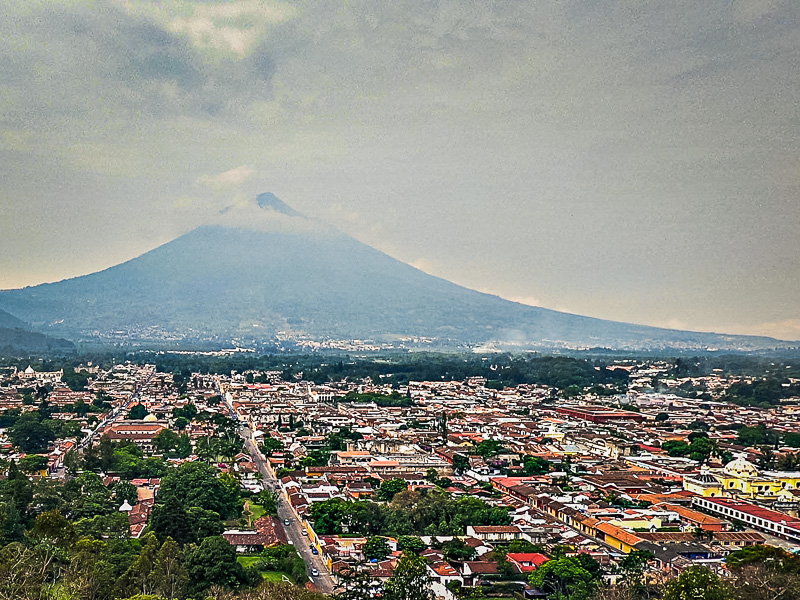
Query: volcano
267,272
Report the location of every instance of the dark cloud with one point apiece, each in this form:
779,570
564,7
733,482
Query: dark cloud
261,64
152,54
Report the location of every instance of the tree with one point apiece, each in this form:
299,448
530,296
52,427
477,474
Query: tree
52,527
376,548
591,565
697,433
662,416
72,462
29,435
166,441
390,488
113,526
214,562
80,408
12,529
460,463
766,459
169,574
197,484
765,573
87,496
138,579
702,448
488,448
792,439
697,583
188,412
105,451
633,566
756,435
535,465
33,463
137,412
89,574
789,461
329,516
675,447
410,580
358,585
270,445
184,447
124,490
23,573
410,543
563,579
762,554
170,520
268,499
204,522
457,550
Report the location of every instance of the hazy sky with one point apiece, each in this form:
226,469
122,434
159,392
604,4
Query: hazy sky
636,161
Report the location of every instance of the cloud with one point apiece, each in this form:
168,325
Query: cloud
230,27
246,214
632,160
230,179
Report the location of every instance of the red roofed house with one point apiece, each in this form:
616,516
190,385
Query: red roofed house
527,561
140,433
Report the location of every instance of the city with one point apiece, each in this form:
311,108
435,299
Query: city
329,484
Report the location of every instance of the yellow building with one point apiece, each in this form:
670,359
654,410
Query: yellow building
740,478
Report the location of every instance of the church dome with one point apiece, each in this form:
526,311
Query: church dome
739,467
150,418
705,476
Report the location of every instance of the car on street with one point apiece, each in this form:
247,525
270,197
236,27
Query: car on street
314,572
314,550
286,521
304,532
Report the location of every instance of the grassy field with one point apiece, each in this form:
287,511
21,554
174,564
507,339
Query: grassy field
257,511
249,561
252,512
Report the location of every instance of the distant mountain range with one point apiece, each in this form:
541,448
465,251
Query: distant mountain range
17,338
266,272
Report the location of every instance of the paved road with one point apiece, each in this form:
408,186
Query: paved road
294,531
114,414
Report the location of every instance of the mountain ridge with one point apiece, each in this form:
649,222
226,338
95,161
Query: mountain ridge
267,271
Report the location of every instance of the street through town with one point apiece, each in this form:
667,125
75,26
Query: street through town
294,530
